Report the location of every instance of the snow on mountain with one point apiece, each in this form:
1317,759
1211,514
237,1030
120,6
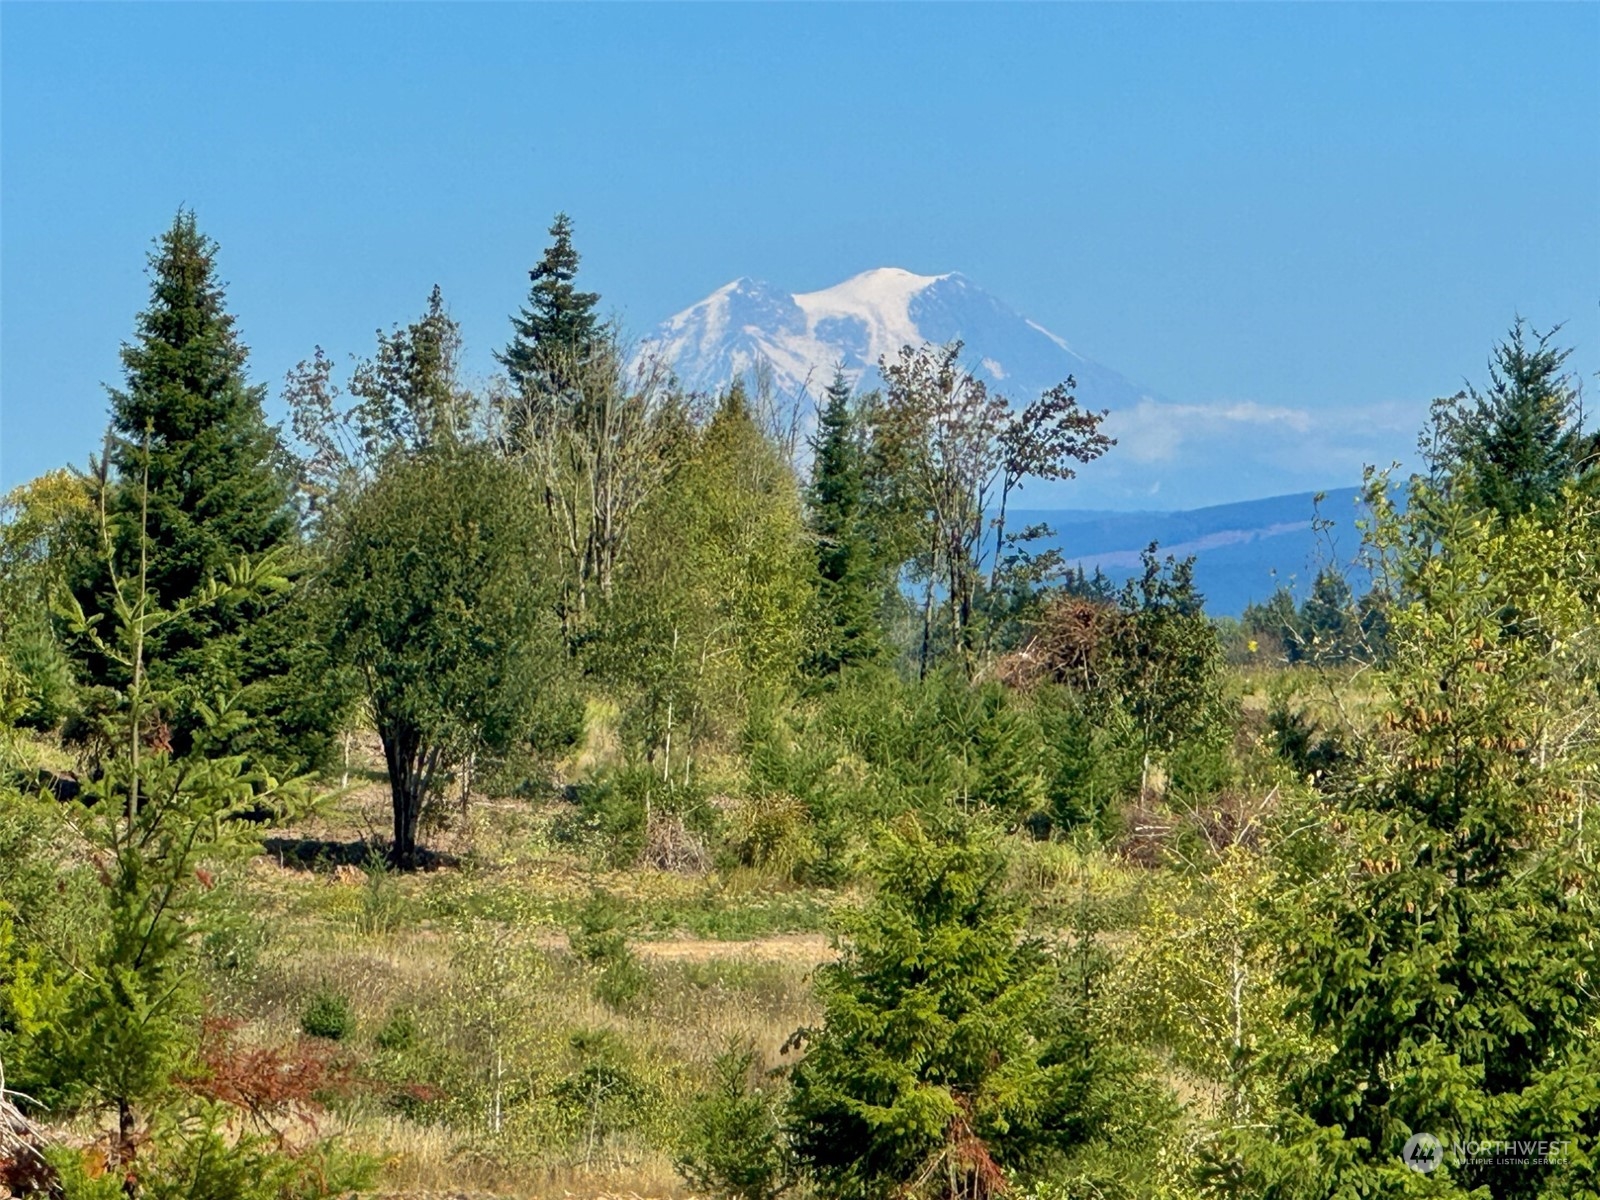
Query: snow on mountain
1176,453
803,336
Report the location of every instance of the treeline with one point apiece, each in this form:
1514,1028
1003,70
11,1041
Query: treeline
1366,925
463,567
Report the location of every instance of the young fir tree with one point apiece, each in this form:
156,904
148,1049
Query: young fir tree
557,326
1330,629
1514,446
951,1059
1439,932
1167,661
199,484
850,587
153,827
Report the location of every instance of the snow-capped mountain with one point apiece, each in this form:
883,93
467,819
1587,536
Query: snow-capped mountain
804,336
1178,453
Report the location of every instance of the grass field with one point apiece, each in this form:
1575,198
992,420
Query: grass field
520,1020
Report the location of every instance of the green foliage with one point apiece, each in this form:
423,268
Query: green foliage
45,673
328,1015
615,813
947,1057
604,1096
492,996
198,1158
39,524
1514,447
1330,627
192,481
116,944
383,906
1166,659
951,454
851,579
1330,630
409,398
557,324
437,597
733,1142
77,1180
1440,949
398,1033
599,939
713,614
1273,627
1082,775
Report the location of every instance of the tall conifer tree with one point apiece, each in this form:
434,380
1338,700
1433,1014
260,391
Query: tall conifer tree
558,326
195,481
849,585
1515,444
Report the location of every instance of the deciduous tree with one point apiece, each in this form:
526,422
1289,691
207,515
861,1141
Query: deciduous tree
441,598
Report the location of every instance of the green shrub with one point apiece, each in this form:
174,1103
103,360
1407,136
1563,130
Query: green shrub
733,1143
46,674
328,1016
196,1158
605,1095
952,1042
599,940
383,905
623,984
399,1032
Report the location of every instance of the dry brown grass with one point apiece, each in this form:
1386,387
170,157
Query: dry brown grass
392,945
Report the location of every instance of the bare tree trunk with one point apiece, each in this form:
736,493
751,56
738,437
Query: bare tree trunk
127,1145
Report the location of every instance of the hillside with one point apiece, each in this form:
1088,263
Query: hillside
1243,551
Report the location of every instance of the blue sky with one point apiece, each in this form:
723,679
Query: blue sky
1333,209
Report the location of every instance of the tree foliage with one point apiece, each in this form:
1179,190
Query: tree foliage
955,453
555,330
1440,951
715,611
194,479
439,597
851,577
943,1066
1512,447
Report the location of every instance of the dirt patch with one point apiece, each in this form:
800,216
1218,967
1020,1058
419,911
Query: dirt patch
781,947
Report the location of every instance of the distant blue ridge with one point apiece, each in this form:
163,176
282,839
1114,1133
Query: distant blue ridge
1243,552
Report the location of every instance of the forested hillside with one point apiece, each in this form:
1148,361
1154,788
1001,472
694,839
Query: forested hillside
548,788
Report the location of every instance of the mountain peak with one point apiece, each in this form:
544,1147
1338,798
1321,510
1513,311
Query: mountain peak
803,336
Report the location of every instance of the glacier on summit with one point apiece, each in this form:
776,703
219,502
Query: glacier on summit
1171,453
1202,457
803,336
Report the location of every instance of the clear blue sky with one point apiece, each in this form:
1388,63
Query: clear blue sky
1335,208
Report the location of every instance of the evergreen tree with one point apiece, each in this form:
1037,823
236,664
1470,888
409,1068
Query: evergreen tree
850,583
1274,626
216,488
194,480
1438,932
1517,444
1166,660
558,325
950,1059
1330,630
